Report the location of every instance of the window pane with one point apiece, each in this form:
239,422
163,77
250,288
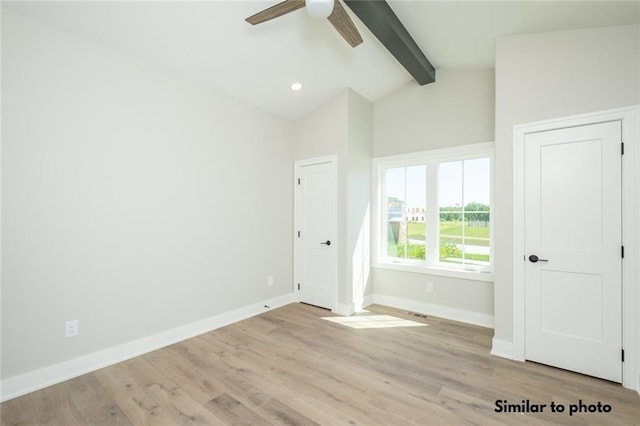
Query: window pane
405,212
416,186
395,192
450,186
477,182
464,195
477,196
450,224
477,231
394,184
450,250
450,237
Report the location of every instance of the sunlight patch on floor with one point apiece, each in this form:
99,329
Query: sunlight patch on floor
374,321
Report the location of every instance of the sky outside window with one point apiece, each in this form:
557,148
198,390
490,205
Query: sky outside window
408,183
475,174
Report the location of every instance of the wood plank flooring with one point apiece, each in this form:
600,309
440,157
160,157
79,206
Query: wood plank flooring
289,366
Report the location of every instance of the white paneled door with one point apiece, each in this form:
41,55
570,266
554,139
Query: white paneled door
315,243
573,244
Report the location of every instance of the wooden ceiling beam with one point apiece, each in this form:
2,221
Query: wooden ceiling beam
378,16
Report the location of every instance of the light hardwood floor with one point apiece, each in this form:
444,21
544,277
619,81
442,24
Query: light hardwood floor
289,366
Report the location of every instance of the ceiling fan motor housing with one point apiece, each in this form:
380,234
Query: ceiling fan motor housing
319,8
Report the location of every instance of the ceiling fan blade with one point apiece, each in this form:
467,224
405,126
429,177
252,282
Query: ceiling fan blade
275,11
345,26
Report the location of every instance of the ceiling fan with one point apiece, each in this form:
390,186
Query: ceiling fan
330,9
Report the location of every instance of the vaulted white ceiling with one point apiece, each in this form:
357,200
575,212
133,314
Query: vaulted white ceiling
209,43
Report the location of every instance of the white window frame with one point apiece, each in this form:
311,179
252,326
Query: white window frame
431,265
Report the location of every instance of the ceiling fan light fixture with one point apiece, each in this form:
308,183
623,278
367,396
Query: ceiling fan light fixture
319,8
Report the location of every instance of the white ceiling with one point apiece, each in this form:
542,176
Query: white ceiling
209,43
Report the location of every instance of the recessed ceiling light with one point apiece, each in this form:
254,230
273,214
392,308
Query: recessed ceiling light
296,86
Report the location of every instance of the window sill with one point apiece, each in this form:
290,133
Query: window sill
434,270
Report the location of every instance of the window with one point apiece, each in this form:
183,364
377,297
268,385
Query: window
433,210
405,196
464,211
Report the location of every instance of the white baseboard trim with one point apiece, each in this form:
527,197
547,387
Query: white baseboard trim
461,315
38,379
502,348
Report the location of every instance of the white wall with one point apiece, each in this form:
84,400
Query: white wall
324,130
358,261
545,76
458,109
132,201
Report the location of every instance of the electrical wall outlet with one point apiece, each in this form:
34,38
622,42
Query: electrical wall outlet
71,328
429,287
270,280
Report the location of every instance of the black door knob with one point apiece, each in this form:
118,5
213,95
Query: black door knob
533,259
328,243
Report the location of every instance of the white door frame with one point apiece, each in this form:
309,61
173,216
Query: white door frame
630,117
297,165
